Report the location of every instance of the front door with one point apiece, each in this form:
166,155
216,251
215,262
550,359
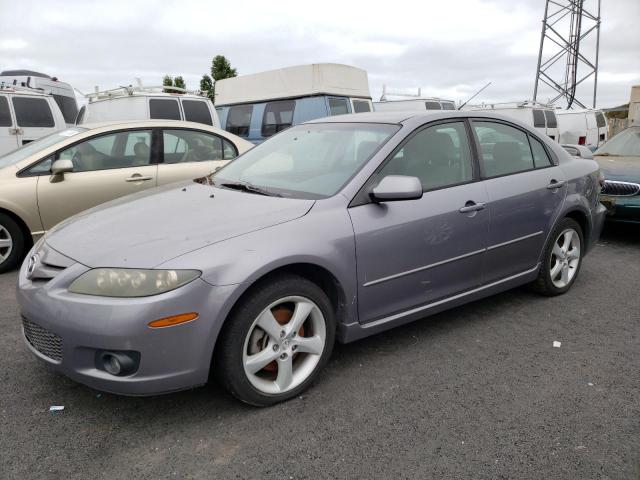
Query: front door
414,252
526,192
34,118
8,131
106,167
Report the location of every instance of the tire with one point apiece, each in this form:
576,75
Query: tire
294,351
551,281
12,243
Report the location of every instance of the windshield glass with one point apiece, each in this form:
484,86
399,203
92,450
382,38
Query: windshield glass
626,143
307,161
30,148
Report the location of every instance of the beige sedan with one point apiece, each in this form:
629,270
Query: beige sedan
60,175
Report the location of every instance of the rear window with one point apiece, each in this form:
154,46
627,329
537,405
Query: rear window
32,112
551,119
432,105
197,111
166,109
338,106
600,120
538,119
5,114
68,107
239,119
361,106
277,117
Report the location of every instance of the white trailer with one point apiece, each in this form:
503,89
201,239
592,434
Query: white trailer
586,127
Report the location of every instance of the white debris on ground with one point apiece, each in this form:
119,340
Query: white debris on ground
56,408
556,344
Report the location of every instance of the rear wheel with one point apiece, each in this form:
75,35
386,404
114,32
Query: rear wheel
562,259
276,341
12,243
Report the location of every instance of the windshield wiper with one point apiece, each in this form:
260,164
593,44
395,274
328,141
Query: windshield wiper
248,187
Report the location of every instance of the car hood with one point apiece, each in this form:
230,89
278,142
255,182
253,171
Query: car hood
623,169
146,229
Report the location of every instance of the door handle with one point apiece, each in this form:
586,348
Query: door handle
471,206
555,184
138,178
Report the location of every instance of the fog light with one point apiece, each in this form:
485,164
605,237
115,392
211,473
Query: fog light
118,363
112,364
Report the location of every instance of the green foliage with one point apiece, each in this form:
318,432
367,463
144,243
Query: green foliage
221,68
179,82
206,85
167,81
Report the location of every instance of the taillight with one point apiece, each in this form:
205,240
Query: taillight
582,140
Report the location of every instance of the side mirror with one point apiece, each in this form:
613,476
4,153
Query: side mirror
579,151
393,188
60,167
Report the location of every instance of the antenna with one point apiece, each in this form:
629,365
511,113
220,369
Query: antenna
474,96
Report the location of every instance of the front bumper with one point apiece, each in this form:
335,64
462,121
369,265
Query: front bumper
622,209
171,358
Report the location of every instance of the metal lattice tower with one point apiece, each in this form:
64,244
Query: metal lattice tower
565,26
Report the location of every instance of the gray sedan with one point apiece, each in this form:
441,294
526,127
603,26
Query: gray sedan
331,230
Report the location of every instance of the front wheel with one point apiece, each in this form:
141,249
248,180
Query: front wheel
276,341
561,260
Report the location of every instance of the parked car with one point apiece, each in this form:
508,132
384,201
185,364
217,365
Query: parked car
586,127
260,105
619,160
62,174
337,228
63,93
147,103
26,115
414,104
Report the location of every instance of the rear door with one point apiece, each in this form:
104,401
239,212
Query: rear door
603,130
526,191
8,134
189,154
34,118
106,167
552,125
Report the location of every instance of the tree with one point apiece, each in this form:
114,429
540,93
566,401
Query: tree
179,82
206,85
220,69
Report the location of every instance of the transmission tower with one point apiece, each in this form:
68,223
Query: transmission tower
565,26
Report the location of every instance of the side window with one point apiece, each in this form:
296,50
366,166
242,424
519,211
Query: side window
197,111
80,117
164,108
540,157
551,119
116,150
338,106
432,105
5,114
503,149
361,106
439,156
191,146
448,106
239,119
32,112
229,150
538,119
277,117
68,107
600,120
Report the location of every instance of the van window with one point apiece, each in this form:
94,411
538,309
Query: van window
68,107
80,117
166,109
277,116
538,119
551,119
540,157
432,105
5,114
503,149
32,112
600,120
448,106
239,119
361,106
338,106
197,111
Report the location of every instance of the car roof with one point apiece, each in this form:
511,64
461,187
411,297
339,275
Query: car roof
145,123
400,117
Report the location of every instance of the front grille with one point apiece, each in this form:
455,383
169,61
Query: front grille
620,189
47,343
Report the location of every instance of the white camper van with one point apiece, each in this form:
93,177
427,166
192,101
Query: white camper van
414,104
147,103
26,115
539,116
586,127
62,92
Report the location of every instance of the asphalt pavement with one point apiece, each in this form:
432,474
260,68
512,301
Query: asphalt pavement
476,392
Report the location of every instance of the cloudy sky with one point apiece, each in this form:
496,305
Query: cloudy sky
450,48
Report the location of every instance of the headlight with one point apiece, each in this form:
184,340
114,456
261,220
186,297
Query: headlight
124,282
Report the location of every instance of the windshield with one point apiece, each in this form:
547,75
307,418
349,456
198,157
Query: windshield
307,161
626,144
30,148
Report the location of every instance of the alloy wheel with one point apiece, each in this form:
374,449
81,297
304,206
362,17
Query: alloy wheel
6,244
565,258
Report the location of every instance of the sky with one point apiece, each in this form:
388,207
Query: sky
449,48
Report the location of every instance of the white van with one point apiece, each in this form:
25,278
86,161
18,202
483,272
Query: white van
26,115
147,103
586,127
414,104
539,116
62,92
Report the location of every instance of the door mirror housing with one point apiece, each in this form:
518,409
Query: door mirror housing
60,167
394,188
